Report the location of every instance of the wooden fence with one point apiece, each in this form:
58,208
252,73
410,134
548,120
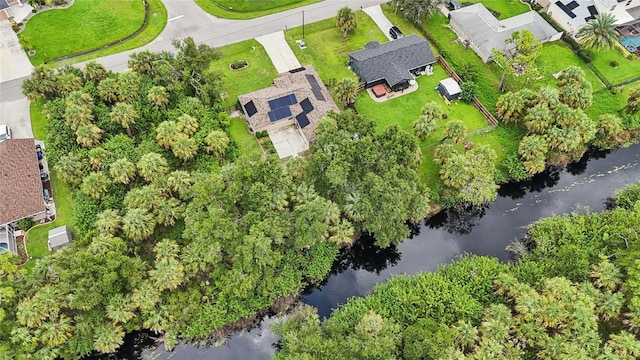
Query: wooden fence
483,110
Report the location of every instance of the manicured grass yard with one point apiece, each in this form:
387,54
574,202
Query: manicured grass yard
258,75
506,8
556,56
249,9
83,26
244,138
327,51
625,70
404,110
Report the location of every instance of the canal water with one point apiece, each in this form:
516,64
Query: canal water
437,241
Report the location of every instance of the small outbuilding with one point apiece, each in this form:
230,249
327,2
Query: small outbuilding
449,88
59,238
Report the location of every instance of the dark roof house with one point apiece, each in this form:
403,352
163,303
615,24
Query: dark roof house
396,62
20,184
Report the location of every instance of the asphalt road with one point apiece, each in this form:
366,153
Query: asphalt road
185,19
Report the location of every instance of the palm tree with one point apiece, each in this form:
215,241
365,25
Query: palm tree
108,338
145,296
88,135
443,152
158,96
125,115
138,224
31,312
94,71
606,275
346,91
152,166
55,332
187,124
185,147
166,133
144,197
80,98
71,168
107,90
119,309
346,20
533,149
342,233
127,86
95,184
97,156
600,33
108,222
67,83
633,102
609,304
156,319
539,119
424,126
122,171
167,274
456,131
511,106
466,334
168,211
166,249
179,181
217,142
76,115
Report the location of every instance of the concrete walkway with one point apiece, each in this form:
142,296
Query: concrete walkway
279,51
376,14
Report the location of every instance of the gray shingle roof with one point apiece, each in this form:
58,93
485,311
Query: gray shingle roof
4,4
392,60
476,24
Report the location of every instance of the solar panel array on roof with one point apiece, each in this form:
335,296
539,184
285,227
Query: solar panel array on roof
306,105
302,120
250,107
279,113
283,101
315,87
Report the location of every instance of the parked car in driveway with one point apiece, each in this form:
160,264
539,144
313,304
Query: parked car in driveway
5,132
395,32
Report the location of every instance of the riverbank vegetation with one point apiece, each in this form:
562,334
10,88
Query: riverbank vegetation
572,294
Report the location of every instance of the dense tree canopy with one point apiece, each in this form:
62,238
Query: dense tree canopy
371,176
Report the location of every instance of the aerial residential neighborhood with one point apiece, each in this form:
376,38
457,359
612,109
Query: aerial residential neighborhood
319,179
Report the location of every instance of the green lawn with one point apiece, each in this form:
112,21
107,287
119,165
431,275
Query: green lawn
404,110
38,121
625,70
258,75
556,56
244,138
37,237
90,24
249,9
327,51
506,8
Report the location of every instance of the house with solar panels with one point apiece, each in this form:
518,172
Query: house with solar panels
572,15
297,99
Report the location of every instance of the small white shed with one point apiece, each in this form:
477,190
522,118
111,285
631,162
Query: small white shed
59,238
449,88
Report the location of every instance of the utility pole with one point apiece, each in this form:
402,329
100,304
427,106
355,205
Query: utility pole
302,24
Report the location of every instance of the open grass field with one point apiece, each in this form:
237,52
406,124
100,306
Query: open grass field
327,51
249,9
506,8
258,75
83,26
624,70
244,138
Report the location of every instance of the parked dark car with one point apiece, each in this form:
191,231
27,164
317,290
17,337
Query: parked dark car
395,32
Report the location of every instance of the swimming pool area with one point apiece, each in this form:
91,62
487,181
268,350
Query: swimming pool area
630,42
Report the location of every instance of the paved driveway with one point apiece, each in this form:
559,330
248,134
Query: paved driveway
279,51
288,141
375,13
14,63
